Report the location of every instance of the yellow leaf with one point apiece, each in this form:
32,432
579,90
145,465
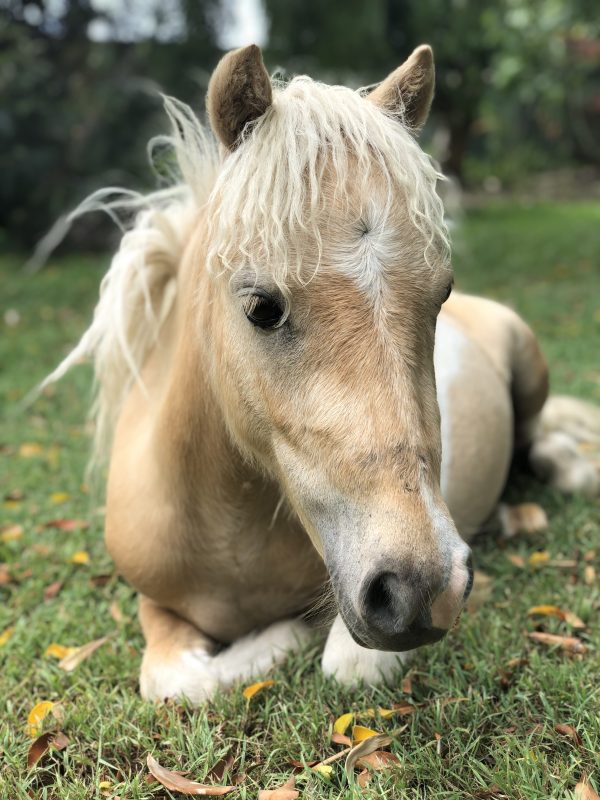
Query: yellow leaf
539,559
360,733
555,611
80,557
58,650
36,716
59,497
385,713
5,636
105,785
254,688
11,533
9,505
30,450
325,770
342,723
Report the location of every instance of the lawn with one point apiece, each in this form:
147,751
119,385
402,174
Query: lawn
480,728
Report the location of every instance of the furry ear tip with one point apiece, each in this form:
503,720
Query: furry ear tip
423,54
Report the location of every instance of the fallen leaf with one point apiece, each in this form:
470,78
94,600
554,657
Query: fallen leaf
116,613
342,723
360,733
6,635
404,709
79,654
254,688
80,557
378,760
571,644
341,738
589,575
36,716
177,783
407,683
569,730
68,524
10,533
324,770
5,576
58,650
30,450
105,785
481,591
220,768
555,611
364,748
98,581
43,743
539,558
52,590
57,498
15,495
522,518
363,778
583,791
284,792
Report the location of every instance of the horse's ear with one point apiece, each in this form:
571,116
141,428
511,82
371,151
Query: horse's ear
239,92
408,91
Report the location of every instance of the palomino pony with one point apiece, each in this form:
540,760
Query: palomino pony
279,417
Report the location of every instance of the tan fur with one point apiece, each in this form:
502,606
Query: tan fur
408,91
251,466
239,93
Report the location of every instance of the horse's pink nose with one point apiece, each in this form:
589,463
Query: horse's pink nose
395,606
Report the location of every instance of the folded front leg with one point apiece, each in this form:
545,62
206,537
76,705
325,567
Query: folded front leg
180,661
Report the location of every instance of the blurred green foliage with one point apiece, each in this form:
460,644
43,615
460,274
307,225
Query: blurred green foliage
518,86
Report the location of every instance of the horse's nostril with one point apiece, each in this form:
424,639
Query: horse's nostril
390,603
378,597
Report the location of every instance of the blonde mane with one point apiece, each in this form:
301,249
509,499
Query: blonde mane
263,201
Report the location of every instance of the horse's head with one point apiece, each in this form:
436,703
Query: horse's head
329,253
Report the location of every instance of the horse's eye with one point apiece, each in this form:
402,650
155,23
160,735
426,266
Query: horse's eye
263,310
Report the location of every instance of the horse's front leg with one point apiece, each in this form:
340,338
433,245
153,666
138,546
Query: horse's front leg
181,662
351,664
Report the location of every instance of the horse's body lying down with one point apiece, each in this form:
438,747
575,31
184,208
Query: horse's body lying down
264,344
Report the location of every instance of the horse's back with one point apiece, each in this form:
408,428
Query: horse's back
491,381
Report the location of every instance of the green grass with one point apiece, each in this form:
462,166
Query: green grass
544,261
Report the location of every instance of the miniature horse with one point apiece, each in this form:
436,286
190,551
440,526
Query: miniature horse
292,398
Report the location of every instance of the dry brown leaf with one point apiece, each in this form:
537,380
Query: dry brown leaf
5,576
569,730
404,709
116,613
285,792
589,575
571,644
364,748
64,524
406,685
378,760
79,654
53,590
516,560
481,591
177,783
363,778
221,767
583,791
98,581
11,532
341,738
254,688
43,743
523,518
555,611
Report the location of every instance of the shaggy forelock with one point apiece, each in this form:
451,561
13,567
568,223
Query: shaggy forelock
273,193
